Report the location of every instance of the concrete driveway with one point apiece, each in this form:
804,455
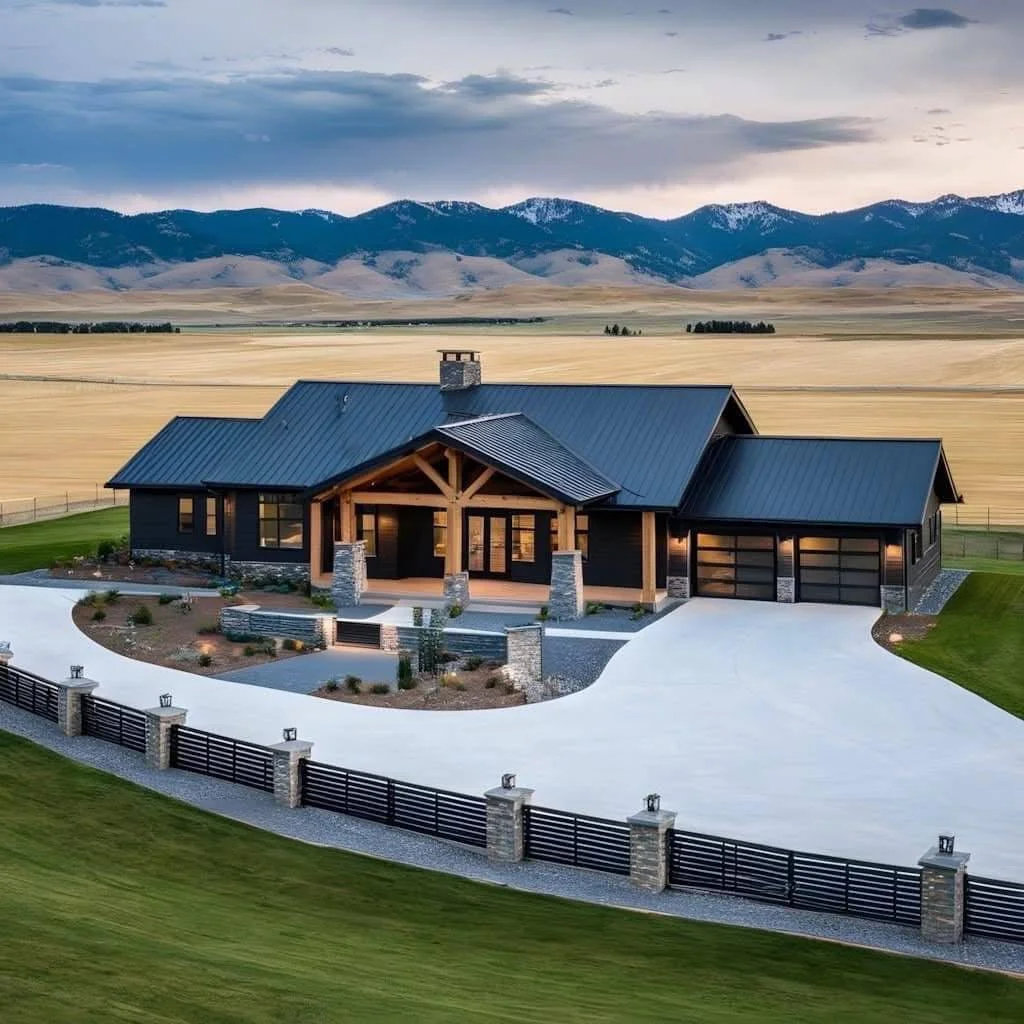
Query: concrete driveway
784,724
305,674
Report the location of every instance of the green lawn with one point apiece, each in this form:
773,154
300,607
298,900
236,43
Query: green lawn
996,550
978,641
1005,566
36,545
121,905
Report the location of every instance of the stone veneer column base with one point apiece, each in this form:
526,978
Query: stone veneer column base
159,722
942,896
69,704
894,600
506,834
524,654
288,757
456,590
349,581
785,590
648,848
678,587
566,599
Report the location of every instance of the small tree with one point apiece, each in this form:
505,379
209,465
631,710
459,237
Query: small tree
615,329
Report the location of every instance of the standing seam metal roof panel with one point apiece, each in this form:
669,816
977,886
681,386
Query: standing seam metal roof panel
864,481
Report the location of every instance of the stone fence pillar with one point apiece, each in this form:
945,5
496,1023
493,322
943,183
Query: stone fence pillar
525,653
288,758
566,598
70,692
159,722
456,590
506,833
942,892
349,580
648,845
5,653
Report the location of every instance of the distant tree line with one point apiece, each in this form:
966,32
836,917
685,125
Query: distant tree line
621,332
730,327
103,327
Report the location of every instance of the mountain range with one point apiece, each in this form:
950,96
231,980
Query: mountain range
447,248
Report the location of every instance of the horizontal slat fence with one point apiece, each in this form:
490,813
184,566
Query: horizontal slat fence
804,881
994,909
28,692
206,753
115,723
436,812
357,633
583,842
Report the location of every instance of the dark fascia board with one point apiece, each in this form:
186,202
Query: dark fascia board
753,524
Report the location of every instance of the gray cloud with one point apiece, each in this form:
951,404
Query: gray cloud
561,10
97,3
934,17
777,37
339,51
938,111
395,131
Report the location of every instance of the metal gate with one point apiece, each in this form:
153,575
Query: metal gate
357,633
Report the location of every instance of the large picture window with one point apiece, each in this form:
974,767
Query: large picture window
186,515
524,538
440,533
368,533
280,521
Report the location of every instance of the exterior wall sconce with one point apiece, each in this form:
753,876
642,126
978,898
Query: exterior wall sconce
165,700
290,734
508,780
946,844
653,802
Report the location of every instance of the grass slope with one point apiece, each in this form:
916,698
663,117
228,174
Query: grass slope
122,905
36,545
978,640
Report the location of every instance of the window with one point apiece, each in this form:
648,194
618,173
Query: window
933,528
280,521
440,534
211,517
583,536
186,515
554,533
524,538
915,547
368,532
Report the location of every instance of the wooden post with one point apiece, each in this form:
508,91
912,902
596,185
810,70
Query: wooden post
648,534
348,518
567,528
453,546
316,546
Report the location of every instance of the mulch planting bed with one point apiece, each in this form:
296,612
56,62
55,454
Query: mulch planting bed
890,631
484,688
173,639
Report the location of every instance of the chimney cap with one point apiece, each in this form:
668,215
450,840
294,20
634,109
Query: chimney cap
460,355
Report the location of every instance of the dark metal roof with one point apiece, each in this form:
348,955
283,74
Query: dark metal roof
515,444
185,451
842,481
648,439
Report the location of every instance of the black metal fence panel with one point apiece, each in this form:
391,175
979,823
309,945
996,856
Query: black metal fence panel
805,881
994,909
575,839
206,753
115,723
436,812
28,692
357,633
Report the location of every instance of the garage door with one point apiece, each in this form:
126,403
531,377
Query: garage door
840,570
736,566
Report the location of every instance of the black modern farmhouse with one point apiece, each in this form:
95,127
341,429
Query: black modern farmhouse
614,493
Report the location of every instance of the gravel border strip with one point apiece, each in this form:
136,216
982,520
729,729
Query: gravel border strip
324,828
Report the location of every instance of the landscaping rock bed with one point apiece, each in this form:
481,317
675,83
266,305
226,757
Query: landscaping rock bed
891,631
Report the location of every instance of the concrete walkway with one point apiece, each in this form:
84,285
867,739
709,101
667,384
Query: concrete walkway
782,724
344,833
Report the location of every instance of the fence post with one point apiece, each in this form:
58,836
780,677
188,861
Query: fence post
942,892
70,692
506,839
288,758
648,845
159,723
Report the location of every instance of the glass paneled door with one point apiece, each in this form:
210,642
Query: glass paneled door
487,542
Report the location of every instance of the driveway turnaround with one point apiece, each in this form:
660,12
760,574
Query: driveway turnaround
783,724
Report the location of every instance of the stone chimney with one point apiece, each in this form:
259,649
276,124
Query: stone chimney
460,369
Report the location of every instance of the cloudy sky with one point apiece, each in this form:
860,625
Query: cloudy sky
654,107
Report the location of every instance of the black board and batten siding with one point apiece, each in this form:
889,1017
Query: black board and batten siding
804,881
436,812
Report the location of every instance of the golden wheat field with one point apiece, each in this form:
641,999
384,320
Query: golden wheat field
77,406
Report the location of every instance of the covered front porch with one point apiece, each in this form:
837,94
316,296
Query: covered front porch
452,521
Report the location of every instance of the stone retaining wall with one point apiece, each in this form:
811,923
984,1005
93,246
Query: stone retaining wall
313,630
463,642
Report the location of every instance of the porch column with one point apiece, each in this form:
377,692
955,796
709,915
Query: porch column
316,548
456,582
348,517
566,528
566,600
648,533
349,580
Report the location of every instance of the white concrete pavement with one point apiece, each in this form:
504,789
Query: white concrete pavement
783,724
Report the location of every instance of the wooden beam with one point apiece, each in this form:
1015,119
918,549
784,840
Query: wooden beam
433,476
479,482
567,528
399,498
316,534
405,462
348,517
649,554
453,539
454,469
516,501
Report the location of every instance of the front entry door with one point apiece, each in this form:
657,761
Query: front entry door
487,541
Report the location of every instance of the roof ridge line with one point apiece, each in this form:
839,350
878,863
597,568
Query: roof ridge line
487,419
